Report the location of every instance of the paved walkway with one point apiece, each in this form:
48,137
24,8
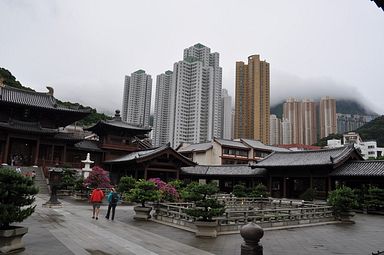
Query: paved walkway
70,230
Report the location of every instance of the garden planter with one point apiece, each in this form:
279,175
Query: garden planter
11,239
206,228
142,213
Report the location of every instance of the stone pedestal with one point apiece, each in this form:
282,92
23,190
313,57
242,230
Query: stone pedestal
11,239
206,228
142,213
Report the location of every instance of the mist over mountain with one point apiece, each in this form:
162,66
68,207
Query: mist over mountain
349,99
346,106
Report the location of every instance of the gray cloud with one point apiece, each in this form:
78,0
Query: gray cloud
84,48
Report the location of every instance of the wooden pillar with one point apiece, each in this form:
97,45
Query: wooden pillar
329,184
6,150
177,174
52,152
284,187
310,182
270,185
145,172
37,151
65,154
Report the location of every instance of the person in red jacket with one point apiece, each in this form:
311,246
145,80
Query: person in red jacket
96,198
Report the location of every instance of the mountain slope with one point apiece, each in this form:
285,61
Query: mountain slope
373,130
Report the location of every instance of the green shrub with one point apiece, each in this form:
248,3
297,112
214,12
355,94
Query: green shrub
16,195
126,183
144,191
239,190
259,191
342,199
374,199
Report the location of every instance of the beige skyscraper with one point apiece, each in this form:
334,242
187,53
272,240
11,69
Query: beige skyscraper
308,108
292,113
252,99
328,122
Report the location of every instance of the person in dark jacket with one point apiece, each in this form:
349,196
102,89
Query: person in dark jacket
113,198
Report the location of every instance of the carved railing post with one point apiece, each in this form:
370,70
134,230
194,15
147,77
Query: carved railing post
251,233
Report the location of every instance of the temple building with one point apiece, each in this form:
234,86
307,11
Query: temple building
29,128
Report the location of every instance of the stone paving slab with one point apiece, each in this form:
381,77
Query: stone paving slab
70,230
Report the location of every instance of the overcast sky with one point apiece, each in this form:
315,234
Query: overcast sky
83,49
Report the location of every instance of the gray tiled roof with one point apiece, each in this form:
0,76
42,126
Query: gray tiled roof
119,124
31,98
232,170
143,154
196,147
231,143
361,168
259,145
33,127
305,158
88,145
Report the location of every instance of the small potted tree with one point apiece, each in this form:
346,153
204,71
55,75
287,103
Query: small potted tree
16,198
343,199
143,192
206,207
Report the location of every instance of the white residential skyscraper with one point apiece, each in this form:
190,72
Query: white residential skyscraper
274,130
196,97
162,109
226,114
137,98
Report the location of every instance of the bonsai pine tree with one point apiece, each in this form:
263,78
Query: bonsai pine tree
207,207
239,190
342,199
16,197
144,191
98,178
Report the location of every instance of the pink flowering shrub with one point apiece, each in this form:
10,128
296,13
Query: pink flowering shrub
168,192
98,178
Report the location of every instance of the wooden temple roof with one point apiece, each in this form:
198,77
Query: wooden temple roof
224,170
140,156
11,95
27,127
116,124
308,158
360,168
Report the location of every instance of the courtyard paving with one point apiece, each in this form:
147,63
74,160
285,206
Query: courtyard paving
71,230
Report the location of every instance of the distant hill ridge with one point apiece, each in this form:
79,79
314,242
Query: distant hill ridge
345,106
373,130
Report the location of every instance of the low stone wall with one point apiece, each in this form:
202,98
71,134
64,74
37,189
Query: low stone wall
237,216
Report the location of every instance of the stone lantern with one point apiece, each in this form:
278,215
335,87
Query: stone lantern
55,175
87,166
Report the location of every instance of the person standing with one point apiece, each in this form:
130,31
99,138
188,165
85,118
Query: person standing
96,199
113,198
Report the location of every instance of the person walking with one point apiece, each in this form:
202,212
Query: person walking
113,198
96,198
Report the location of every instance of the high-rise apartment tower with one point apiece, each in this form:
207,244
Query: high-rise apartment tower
226,115
252,102
196,97
328,121
137,98
162,108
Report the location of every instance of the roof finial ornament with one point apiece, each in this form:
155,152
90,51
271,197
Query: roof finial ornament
50,91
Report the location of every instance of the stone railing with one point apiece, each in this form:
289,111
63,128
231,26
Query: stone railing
270,214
